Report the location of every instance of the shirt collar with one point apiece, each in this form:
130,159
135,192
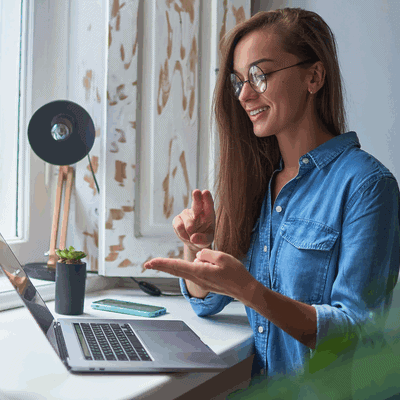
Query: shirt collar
328,151
322,155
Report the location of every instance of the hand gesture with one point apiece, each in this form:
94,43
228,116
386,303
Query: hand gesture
196,226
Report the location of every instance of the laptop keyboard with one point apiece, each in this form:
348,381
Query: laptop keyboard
113,342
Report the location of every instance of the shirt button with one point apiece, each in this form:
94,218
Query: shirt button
265,249
305,160
260,329
278,209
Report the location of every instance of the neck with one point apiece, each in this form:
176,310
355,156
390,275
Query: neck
295,143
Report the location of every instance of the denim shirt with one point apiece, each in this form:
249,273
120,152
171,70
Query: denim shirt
330,240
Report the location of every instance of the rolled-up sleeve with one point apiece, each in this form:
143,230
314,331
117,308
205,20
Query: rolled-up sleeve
212,304
368,264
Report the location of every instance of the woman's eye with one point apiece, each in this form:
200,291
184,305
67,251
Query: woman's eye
259,78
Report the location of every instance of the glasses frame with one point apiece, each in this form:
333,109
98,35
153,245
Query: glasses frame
264,77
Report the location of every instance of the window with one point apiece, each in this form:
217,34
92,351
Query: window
11,143
16,175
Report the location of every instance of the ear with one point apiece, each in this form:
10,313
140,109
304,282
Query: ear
316,77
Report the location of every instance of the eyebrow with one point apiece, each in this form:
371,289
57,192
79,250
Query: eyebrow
258,62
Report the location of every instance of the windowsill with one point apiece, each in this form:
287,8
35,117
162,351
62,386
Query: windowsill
9,298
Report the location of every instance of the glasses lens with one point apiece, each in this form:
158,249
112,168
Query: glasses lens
257,79
236,85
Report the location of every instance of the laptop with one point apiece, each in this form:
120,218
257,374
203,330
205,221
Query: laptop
112,345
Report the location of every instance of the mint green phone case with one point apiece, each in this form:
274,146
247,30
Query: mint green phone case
127,307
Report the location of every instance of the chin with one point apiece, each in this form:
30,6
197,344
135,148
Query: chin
265,132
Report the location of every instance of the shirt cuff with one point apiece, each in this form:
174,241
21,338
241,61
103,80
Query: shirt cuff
211,304
334,327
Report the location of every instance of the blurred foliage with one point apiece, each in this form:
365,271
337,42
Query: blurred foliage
354,367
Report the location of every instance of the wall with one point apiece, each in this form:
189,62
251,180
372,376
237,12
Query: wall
367,35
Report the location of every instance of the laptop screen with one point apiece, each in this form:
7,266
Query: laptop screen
24,287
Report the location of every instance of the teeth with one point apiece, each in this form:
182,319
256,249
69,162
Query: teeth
255,112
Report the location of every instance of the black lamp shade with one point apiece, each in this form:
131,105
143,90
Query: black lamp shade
69,150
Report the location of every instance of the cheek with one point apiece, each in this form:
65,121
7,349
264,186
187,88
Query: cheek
288,96
285,90
277,93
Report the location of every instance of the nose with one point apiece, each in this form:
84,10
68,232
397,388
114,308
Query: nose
247,92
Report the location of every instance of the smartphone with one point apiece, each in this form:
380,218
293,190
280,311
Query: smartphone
127,307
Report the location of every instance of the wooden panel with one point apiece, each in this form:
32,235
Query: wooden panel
123,253
120,144
149,159
168,153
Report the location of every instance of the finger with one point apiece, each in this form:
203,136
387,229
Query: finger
179,228
197,203
181,268
170,263
208,203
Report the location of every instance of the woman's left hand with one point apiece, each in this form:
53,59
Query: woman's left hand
212,270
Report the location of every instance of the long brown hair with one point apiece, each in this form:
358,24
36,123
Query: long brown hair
246,162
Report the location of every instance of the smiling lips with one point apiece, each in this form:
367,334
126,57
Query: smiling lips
255,112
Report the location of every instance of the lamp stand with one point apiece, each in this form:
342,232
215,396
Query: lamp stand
65,174
40,270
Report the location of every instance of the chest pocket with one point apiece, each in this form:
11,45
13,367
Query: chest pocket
304,253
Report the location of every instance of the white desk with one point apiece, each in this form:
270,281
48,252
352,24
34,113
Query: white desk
30,369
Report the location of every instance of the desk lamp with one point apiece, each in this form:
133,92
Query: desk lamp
60,133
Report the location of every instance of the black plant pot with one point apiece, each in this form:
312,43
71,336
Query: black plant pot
70,288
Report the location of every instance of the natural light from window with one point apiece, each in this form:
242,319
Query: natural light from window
10,50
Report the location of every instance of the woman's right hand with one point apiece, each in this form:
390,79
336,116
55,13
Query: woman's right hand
195,226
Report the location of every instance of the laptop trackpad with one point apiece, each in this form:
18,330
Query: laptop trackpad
182,346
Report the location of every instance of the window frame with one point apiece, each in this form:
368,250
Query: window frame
28,241
8,298
22,212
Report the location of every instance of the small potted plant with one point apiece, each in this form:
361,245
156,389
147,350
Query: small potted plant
70,256
70,281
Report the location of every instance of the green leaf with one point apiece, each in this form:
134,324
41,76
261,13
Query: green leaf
70,254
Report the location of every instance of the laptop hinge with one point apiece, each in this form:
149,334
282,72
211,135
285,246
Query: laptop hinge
62,348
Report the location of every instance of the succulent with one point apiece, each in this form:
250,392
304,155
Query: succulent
70,256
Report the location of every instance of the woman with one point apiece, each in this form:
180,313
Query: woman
312,217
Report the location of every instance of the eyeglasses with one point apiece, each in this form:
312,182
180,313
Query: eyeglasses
257,79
